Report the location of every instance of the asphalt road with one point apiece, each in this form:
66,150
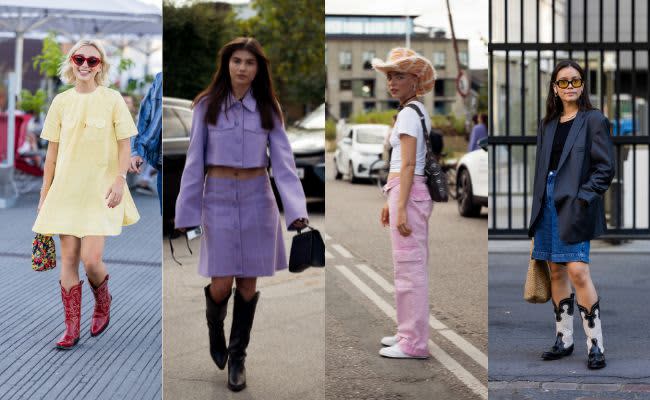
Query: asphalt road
519,332
360,305
287,349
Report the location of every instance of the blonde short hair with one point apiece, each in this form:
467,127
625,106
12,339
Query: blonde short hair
65,69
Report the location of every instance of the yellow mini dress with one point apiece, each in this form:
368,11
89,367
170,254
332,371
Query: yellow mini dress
87,127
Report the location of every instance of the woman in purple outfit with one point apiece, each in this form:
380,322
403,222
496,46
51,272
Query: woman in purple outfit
225,189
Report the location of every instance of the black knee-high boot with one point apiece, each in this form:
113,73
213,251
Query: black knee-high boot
240,334
215,313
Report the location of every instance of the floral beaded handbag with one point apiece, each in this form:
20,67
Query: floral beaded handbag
43,253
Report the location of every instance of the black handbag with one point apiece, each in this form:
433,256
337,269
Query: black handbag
307,250
436,177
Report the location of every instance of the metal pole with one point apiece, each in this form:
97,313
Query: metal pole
18,62
11,118
8,191
408,31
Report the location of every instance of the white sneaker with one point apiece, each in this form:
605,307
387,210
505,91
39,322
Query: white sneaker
389,340
396,352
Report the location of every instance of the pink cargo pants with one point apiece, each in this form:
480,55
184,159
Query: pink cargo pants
410,261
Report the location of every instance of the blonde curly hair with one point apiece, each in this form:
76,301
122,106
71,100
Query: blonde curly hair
65,69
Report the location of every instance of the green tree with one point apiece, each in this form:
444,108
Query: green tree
193,36
292,33
32,103
47,63
51,57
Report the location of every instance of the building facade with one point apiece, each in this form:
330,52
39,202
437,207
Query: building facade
353,87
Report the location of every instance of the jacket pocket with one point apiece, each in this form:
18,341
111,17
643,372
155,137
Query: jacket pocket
94,129
583,217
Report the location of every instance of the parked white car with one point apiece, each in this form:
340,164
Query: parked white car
362,145
472,181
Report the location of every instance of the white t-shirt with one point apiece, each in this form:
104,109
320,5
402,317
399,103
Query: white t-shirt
408,122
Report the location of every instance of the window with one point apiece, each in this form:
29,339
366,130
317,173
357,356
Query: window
369,106
440,107
391,104
367,58
439,59
439,88
345,60
345,109
345,84
463,58
363,87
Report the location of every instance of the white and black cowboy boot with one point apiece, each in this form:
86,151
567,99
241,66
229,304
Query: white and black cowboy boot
594,332
564,330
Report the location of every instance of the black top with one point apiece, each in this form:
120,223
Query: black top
559,139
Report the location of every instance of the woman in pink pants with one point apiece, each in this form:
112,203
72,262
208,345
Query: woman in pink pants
409,205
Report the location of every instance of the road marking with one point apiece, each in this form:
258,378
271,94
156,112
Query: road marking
461,343
458,341
438,353
328,254
342,250
379,280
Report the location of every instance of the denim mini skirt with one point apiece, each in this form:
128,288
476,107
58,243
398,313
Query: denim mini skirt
548,246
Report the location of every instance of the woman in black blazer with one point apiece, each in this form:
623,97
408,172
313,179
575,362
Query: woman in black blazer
574,168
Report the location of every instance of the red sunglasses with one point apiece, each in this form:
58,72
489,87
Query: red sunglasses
79,60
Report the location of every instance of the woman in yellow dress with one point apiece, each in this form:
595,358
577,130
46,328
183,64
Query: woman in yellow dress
84,195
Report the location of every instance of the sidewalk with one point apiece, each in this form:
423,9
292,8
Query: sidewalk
122,363
286,356
519,332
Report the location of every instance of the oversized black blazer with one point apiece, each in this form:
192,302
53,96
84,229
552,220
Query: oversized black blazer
585,171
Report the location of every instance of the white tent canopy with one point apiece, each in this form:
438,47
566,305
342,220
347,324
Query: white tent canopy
74,18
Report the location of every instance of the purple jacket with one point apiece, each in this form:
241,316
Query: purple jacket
237,140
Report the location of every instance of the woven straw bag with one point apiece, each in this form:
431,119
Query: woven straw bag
537,288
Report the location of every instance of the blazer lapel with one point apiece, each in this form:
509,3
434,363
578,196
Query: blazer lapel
571,138
547,141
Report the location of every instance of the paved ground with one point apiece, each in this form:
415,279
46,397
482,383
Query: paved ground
125,361
519,331
287,350
360,305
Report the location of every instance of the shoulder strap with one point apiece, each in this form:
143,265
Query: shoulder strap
424,125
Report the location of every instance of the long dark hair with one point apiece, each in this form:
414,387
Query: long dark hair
220,87
554,105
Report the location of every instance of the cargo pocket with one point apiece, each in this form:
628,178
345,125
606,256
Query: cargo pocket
421,201
410,268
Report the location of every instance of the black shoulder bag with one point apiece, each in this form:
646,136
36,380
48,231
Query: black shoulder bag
436,177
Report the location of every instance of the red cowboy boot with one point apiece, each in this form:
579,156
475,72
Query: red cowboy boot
72,307
102,313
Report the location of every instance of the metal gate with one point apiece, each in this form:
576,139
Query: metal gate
610,39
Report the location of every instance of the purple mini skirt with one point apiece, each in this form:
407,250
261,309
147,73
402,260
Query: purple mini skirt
242,234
